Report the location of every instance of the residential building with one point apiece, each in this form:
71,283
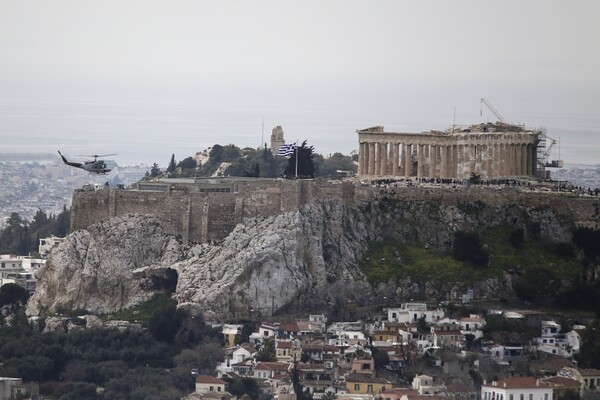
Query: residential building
366,384
588,378
207,383
412,312
516,388
230,332
424,385
14,388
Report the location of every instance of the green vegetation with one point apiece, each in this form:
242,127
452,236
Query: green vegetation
143,312
543,271
259,162
396,260
147,364
21,237
305,167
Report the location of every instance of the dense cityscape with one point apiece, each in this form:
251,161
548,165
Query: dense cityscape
28,187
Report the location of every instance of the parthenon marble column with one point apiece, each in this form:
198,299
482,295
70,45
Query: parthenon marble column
420,160
408,160
394,156
432,160
361,158
443,161
371,159
401,166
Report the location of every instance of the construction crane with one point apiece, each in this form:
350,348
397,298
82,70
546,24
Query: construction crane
492,109
543,160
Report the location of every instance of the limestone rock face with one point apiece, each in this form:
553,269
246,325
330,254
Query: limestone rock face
294,261
306,260
94,269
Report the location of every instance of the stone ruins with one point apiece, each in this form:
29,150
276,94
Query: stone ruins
496,150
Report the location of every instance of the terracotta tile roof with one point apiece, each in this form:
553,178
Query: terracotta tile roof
209,379
400,391
284,345
563,382
272,365
290,327
589,372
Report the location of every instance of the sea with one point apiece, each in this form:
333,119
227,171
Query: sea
142,132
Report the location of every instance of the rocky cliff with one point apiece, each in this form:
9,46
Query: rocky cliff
302,260
112,265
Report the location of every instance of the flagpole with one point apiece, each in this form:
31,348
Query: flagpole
296,158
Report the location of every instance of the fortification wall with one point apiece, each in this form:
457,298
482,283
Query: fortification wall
201,213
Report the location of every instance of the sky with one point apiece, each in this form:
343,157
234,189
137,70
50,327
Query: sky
146,78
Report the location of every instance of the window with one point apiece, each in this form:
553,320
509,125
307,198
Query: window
510,397
545,396
522,397
369,388
530,396
356,386
218,388
212,389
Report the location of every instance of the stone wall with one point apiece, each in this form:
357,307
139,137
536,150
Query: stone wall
209,211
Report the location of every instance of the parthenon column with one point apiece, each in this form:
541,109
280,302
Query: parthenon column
443,161
402,149
523,148
529,161
420,160
453,161
361,159
407,160
371,159
377,159
384,159
432,160
395,160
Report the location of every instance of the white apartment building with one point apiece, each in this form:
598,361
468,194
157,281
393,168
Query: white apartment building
516,388
412,312
19,270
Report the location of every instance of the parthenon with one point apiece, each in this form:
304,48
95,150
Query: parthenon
492,150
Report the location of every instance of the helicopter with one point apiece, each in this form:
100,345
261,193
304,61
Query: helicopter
96,166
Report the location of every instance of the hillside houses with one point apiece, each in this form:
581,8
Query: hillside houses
417,354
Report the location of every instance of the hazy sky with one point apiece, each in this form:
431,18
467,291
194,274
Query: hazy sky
343,64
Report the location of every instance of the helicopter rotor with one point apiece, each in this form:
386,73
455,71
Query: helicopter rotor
96,155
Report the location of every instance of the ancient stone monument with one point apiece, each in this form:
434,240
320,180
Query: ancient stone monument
277,139
496,150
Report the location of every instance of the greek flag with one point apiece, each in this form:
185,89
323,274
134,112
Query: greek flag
286,150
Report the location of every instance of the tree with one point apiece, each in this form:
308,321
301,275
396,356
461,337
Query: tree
13,294
468,247
203,357
172,165
13,235
267,353
337,162
81,391
589,357
381,359
155,170
239,386
537,283
187,163
165,322
305,167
